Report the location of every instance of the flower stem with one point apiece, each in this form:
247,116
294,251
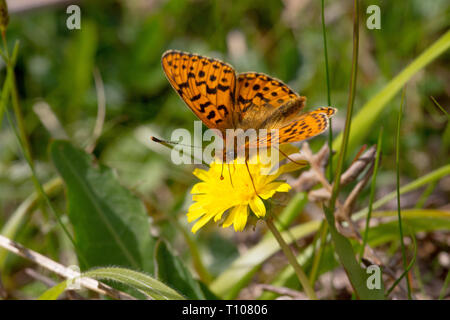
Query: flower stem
292,260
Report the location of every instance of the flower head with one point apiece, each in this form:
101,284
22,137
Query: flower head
235,188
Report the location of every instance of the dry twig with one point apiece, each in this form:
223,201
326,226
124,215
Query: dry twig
61,270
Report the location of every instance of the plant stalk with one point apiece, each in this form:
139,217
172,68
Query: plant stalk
292,260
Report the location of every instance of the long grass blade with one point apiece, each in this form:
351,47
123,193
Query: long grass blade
407,268
397,167
38,185
369,113
444,287
327,73
351,100
372,192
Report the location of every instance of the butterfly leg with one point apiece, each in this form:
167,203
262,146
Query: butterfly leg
251,178
221,171
287,157
229,172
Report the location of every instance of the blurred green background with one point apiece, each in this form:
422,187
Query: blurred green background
124,40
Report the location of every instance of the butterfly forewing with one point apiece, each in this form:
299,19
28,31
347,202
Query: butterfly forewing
206,85
258,97
259,89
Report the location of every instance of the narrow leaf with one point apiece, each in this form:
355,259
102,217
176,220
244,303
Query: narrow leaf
171,270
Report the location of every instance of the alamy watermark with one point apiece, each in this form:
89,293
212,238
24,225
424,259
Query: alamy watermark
73,21
374,280
374,19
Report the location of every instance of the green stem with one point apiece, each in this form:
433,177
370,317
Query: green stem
11,77
21,135
292,260
372,192
199,266
323,232
38,185
327,73
16,220
405,273
351,100
444,287
397,165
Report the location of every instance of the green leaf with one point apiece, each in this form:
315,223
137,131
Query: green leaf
362,123
228,284
142,282
435,175
54,292
171,270
415,220
356,274
110,224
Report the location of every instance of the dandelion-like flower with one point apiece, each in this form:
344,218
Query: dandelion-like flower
237,189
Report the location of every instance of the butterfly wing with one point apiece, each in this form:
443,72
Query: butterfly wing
258,96
303,127
206,85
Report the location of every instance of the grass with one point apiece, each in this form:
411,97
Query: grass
372,192
399,210
312,56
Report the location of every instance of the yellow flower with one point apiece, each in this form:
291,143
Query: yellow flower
214,196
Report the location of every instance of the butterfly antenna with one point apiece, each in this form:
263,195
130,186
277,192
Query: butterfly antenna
289,158
170,144
163,142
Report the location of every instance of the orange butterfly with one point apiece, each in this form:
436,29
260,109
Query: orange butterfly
251,100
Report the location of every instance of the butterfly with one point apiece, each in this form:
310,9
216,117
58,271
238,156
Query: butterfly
223,100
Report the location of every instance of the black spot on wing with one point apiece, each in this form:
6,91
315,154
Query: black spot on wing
211,115
203,106
211,90
224,108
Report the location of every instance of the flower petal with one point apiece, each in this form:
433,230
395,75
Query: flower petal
240,218
201,187
257,206
269,190
201,174
229,220
219,215
200,223
196,210
287,149
282,187
292,166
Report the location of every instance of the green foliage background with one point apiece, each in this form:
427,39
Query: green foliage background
124,41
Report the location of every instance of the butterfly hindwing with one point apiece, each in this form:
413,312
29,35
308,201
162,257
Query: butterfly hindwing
304,127
206,85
